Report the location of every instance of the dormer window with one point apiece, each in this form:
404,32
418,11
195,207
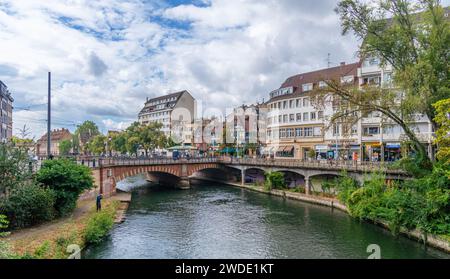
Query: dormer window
347,79
307,87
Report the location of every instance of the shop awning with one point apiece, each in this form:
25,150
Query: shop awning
179,147
289,148
392,145
228,150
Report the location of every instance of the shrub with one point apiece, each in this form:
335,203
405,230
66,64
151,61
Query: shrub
5,250
28,204
274,180
67,179
14,167
99,225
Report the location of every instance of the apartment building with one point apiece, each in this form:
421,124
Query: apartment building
381,138
294,125
175,111
6,102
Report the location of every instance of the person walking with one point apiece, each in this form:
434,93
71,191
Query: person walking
99,202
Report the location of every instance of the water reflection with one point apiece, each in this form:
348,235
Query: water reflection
215,221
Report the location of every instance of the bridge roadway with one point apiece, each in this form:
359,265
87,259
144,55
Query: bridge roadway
108,171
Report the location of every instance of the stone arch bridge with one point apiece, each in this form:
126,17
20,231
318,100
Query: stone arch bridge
108,171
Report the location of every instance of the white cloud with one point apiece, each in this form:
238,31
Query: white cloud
107,56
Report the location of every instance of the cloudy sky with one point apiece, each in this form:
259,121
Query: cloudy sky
107,56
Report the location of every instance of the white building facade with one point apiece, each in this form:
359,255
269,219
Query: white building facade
6,103
175,111
296,129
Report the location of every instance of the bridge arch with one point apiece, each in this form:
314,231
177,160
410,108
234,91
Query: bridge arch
254,175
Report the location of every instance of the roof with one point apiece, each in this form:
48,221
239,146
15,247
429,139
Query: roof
315,77
56,135
4,93
150,108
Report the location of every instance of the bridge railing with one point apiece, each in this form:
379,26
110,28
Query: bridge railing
323,164
349,165
101,161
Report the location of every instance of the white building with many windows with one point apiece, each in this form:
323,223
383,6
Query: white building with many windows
6,102
175,109
295,127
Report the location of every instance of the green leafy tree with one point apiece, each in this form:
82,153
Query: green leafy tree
118,142
83,134
14,167
151,136
67,179
275,180
64,147
443,132
97,145
415,42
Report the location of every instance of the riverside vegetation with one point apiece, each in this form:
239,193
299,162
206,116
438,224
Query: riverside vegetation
29,199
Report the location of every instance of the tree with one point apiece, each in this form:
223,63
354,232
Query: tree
67,179
118,142
97,145
14,167
415,42
83,134
151,136
64,147
443,132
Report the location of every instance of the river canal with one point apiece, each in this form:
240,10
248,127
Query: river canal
217,221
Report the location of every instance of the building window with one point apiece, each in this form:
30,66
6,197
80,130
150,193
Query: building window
282,133
285,118
284,104
320,115
313,115
322,84
372,80
305,102
354,130
291,118
298,103
305,116
307,87
370,131
289,133
308,132
317,131
299,117
336,130
347,80
279,119
291,104
387,79
299,132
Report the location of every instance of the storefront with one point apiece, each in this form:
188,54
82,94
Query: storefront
285,151
392,152
371,151
321,151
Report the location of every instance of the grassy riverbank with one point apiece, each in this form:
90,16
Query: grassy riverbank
50,240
